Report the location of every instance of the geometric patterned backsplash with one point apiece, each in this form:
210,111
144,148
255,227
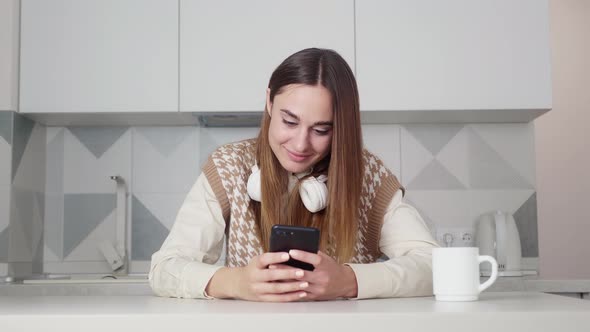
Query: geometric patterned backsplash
455,172
22,194
452,172
5,184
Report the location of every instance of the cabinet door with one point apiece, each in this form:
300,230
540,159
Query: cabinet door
453,55
8,54
228,49
99,56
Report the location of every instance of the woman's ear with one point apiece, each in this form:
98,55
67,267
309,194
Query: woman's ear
268,103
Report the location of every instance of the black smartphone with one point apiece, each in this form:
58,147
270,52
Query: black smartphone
284,238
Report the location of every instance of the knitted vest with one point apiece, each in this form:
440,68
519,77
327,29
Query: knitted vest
227,171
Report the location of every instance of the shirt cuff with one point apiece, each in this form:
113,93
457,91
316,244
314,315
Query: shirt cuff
195,278
371,280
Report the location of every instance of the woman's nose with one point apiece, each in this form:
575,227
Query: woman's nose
301,140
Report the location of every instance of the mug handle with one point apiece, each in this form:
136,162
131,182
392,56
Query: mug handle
494,275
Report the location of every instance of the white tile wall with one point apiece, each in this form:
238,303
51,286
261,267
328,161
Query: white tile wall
162,163
5,162
211,138
384,141
170,167
88,249
415,156
85,173
55,160
54,226
4,206
30,174
515,142
164,206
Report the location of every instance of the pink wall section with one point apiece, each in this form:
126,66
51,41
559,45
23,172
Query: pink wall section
562,139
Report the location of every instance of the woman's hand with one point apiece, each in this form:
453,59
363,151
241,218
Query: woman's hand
255,282
329,280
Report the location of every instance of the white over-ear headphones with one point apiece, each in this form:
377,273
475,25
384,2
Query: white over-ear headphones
313,191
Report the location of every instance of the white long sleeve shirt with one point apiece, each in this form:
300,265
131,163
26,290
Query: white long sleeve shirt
185,263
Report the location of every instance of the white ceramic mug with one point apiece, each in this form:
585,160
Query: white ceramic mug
455,273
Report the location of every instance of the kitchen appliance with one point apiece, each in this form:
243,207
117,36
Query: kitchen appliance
496,235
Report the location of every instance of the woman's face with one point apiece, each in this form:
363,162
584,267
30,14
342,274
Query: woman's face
300,132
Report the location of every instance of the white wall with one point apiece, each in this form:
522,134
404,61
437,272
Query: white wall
562,139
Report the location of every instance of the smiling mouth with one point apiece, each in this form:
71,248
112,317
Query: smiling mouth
297,157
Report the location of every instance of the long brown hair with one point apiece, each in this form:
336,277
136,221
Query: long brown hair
338,223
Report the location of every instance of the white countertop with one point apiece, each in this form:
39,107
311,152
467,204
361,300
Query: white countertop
502,311
137,286
537,284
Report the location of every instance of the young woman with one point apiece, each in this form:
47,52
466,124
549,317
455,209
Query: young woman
307,167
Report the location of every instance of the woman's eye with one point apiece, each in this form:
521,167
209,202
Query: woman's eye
289,123
321,132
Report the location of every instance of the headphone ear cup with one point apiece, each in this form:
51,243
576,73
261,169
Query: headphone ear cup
314,193
254,185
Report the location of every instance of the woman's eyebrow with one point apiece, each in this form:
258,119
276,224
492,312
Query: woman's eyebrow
289,113
319,123
323,123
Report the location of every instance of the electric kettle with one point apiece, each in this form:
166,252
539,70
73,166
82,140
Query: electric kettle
496,235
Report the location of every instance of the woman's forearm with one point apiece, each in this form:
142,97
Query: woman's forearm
224,283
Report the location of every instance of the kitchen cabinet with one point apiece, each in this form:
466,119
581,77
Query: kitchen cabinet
228,49
446,56
415,60
99,56
8,54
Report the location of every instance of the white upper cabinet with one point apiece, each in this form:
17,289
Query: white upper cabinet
228,49
8,54
99,56
415,60
453,55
